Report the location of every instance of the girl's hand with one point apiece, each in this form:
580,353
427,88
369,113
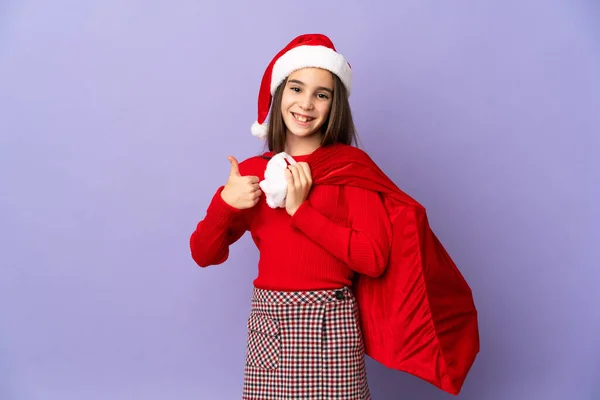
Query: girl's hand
299,182
240,192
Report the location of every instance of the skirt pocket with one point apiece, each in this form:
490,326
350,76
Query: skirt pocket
264,342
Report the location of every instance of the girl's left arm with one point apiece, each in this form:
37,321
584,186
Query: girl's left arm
365,245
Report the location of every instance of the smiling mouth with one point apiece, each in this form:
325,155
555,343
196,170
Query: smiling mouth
302,118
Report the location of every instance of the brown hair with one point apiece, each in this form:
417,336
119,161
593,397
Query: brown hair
338,127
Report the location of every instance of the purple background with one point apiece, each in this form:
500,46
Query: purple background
116,118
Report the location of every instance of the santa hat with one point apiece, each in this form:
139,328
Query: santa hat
312,50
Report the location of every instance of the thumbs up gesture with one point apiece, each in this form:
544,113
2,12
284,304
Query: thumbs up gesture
240,192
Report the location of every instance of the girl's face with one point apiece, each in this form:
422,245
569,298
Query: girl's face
306,101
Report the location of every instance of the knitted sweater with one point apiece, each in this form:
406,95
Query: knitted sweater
337,232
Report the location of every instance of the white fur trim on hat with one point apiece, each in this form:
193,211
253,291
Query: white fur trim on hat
311,56
258,130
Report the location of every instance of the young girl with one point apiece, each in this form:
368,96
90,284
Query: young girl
317,235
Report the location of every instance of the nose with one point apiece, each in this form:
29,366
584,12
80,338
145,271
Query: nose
306,102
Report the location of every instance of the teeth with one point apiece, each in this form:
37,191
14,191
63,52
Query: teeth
302,119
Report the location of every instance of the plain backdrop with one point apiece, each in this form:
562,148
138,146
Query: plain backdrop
116,120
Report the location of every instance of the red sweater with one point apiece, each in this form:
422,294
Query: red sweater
336,232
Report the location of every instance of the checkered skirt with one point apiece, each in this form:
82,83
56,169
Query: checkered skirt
305,345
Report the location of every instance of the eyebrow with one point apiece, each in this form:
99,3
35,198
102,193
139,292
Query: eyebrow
318,88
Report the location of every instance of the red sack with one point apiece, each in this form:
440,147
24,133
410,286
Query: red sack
419,317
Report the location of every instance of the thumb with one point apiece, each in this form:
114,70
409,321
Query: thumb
235,168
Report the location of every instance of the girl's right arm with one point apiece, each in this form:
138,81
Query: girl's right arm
222,226
225,220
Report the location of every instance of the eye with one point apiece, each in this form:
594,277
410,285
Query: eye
322,96
295,89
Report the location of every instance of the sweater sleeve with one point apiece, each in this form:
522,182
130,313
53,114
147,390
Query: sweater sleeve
365,245
222,226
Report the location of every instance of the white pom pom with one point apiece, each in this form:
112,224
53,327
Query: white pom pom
274,186
258,130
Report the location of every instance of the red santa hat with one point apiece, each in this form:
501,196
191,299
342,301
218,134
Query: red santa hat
312,50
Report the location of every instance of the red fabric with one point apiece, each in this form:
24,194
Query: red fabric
337,232
419,316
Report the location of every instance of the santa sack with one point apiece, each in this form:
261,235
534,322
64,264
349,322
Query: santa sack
419,316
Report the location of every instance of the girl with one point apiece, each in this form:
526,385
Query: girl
317,235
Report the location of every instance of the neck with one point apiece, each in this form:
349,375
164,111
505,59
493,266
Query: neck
299,146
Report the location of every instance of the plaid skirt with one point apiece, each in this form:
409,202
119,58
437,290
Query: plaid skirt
305,345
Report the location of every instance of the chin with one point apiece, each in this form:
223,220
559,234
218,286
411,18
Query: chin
302,133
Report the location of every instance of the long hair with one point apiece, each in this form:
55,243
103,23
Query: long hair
338,127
